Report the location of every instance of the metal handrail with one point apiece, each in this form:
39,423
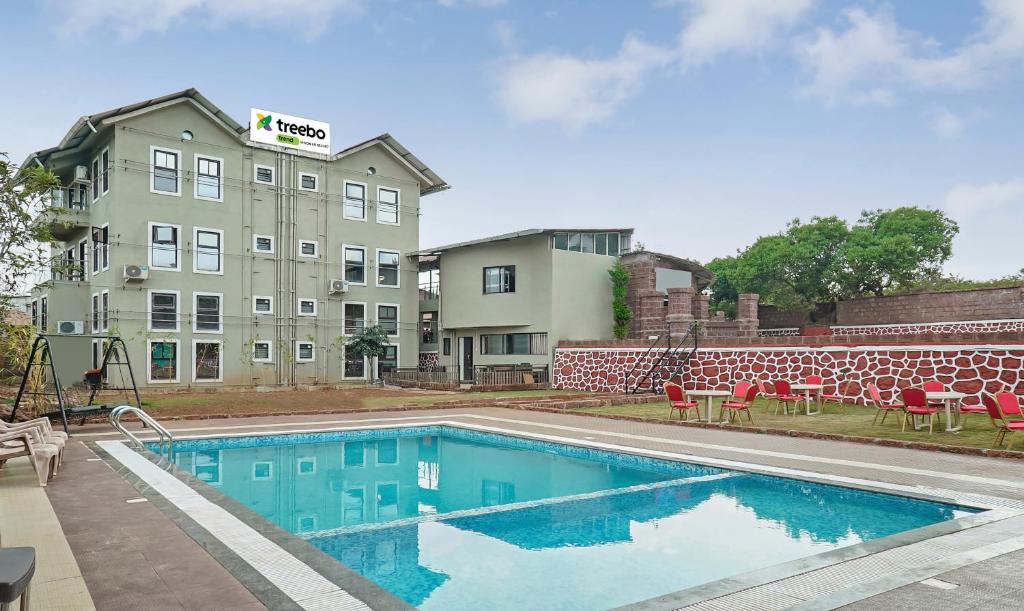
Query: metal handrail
639,361
670,353
165,435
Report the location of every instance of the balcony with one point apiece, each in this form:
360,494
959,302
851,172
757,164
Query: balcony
67,211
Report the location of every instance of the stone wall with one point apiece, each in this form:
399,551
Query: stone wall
965,368
429,359
976,304
964,326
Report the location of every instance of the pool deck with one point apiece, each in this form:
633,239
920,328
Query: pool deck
135,554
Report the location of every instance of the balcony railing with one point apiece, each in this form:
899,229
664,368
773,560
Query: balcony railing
421,377
73,197
510,375
429,290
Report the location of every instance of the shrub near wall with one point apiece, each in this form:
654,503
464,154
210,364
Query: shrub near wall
967,369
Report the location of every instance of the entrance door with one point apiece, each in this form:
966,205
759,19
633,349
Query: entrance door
467,360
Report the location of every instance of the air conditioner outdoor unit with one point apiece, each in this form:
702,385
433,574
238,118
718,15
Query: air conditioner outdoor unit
136,272
81,172
339,286
70,327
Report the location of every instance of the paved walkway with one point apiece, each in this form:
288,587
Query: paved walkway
967,474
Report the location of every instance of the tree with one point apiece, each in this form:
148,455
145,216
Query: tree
369,343
895,249
24,244
622,315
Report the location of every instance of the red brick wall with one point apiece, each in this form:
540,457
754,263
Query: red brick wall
965,368
977,304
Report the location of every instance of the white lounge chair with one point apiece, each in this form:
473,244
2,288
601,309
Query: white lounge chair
27,443
50,436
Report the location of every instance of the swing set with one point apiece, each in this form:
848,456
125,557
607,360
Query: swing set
115,354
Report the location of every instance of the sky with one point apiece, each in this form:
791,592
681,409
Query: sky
703,124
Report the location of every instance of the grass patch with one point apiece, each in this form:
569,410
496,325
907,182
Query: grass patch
427,400
854,420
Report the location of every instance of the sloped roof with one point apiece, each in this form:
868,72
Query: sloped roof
515,235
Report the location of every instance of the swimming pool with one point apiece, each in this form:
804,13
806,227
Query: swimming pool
450,518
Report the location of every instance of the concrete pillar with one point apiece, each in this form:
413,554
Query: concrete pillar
651,315
680,311
701,306
746,314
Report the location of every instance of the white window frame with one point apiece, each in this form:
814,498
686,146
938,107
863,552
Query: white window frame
398,355
261,312
86,261
149,362
316,179
94,313
105,310
316,249
398,316
152,171
105,261
298,306
269,477
298,358
255,173
344,264
376,455
376,491
270,351
398,206
177,247
263,252
195,251
195,312
103,178
366,367
300,460
344,320
366,197
195,177
376,268
220,358
177,310
94,190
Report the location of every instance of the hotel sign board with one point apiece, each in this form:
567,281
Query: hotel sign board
274,128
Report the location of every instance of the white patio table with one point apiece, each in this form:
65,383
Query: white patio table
807,388
949,398
709,397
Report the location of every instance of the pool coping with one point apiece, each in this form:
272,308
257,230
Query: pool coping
992,509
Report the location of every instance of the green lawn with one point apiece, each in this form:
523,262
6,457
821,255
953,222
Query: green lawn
427,400
847,420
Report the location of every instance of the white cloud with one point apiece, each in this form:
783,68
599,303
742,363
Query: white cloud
476,3
576,91
965,200
131,18
873,57
505,33
946,124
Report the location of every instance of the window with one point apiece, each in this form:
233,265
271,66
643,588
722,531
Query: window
83,256
208,312
387,268
574,242
71,272
354,365
262,305
209,183
264,174
305,352
105,169
263,244
562,241
355,201
35,313
163,246
95,312
209,253
43,313
387,317
100,248
262,352
163,310
614,245
387,452
428,328
95,179
605,243
514,343
209,361
353,454
163,360
446,346
500,279
105,310
306,465
388,203
354,315
165,178
587,242
388,360
387,500
262,470
353,507
307,307
355,264
307,248
307,182
601,243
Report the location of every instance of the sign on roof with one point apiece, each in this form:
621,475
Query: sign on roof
285,130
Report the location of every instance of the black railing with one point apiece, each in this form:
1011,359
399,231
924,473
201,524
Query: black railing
420,376
670,356
509,375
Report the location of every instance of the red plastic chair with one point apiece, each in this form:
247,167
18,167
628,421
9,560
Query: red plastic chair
934,386
814,380
785,397
839,398
1000,417
766,390
881,408
915,403
678,400
734,406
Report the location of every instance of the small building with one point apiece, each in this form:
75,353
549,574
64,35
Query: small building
509,299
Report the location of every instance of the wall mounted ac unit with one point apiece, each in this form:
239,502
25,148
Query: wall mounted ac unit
136,272
70,327
339,286
81,172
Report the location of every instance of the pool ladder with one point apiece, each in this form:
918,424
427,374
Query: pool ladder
147,420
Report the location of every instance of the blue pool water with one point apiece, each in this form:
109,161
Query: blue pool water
447,518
